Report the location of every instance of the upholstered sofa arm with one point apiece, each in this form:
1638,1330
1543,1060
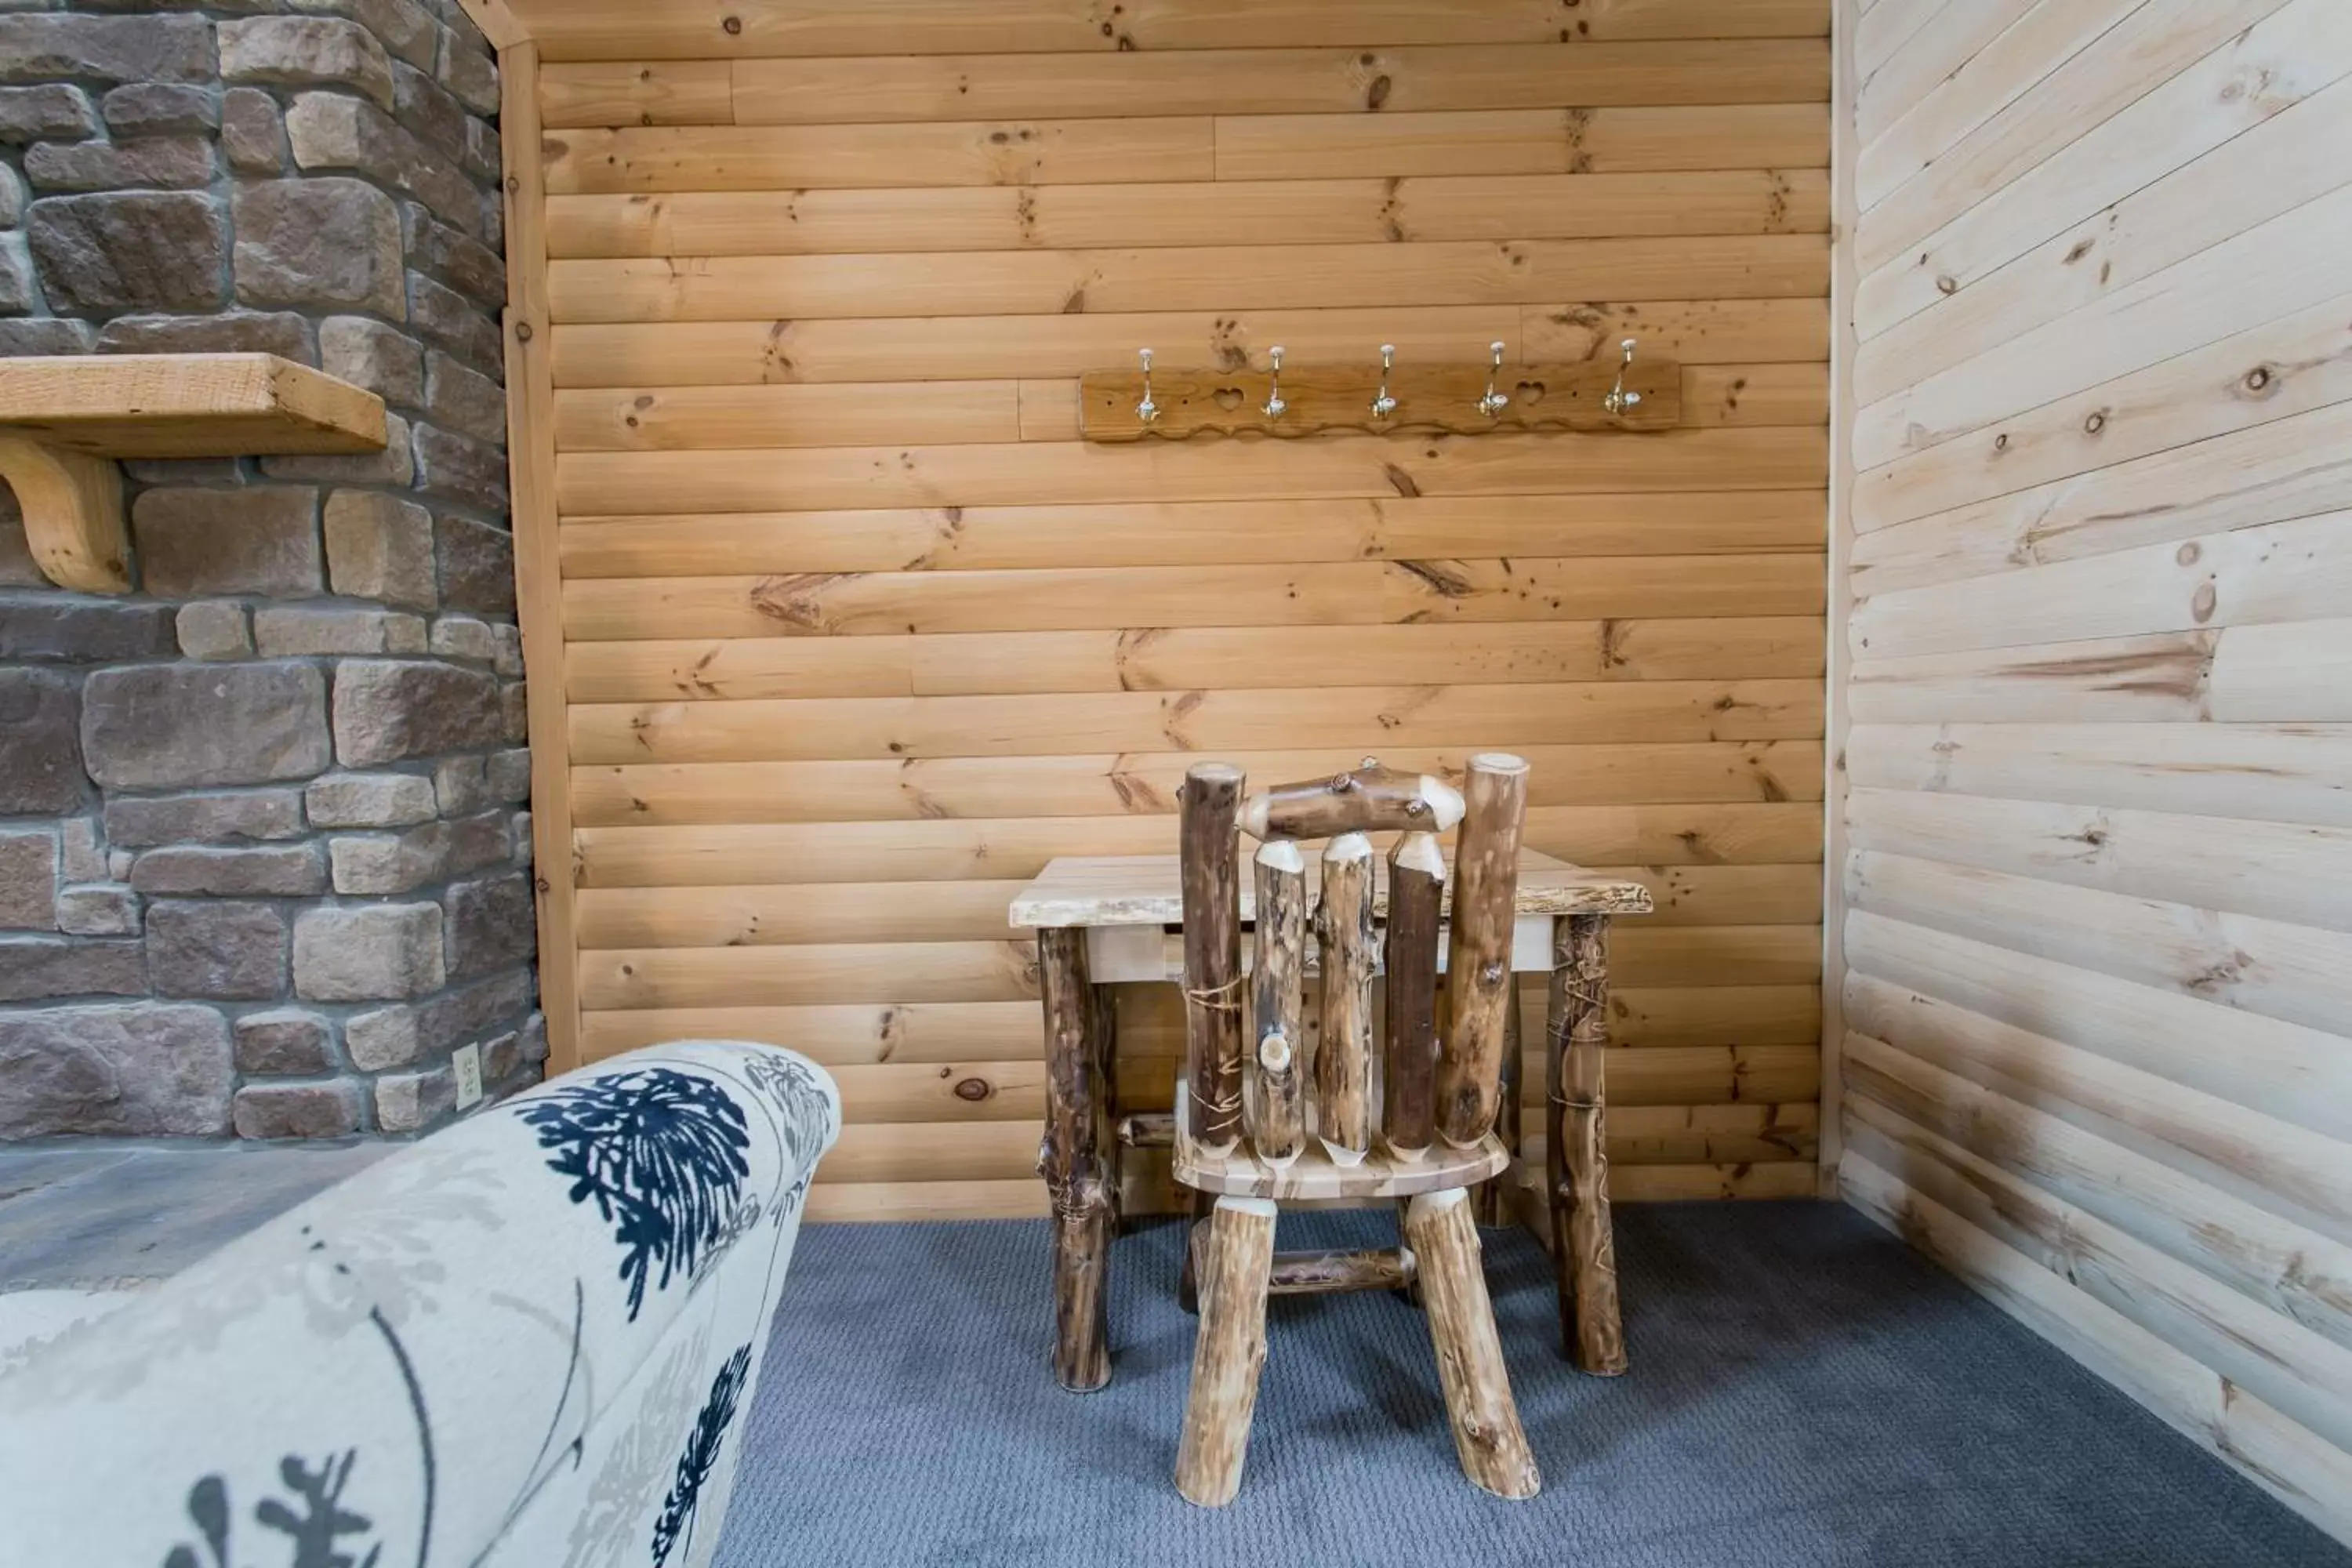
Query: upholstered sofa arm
526,1339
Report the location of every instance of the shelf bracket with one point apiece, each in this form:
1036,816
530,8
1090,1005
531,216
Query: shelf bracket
72,504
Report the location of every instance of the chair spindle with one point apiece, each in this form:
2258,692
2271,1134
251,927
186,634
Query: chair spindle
1478,957
1416,891
1213,953
1276,1108
1343,1057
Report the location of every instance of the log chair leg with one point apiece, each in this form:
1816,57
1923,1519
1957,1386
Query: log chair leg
1228,1352
1494,1208
1409,1291
1188,1283
1487,1436
1074,1165
1576,1152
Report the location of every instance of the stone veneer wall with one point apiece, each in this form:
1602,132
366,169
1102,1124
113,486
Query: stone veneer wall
264,835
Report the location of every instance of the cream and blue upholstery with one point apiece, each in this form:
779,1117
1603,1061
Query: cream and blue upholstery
530,1339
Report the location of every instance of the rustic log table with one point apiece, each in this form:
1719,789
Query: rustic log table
1103,920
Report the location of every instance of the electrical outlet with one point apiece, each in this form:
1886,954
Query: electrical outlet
467,1061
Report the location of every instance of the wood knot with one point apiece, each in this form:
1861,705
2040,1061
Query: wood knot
522,331
1947,284
2259,378
732,26
1273,1052
974,1090
2096,423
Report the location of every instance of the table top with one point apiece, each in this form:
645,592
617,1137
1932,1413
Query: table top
1148,889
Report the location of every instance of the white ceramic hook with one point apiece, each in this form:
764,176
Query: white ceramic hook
1383,405
1620,400
1146,410
1494,402
1274,403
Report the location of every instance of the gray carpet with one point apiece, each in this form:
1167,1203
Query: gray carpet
1805,1390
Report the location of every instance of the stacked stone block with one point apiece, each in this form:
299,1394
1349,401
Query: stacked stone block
264,824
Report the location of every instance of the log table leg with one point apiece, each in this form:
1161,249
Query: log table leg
1493,1199
1487,1436
1231,1348
1106,1096
1575,1151
1074,1163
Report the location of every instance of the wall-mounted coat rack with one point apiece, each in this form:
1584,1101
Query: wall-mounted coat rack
1633,393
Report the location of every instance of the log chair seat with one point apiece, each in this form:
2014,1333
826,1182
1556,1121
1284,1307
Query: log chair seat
1314,1174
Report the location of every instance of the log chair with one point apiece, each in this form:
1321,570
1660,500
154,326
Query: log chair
1243,1128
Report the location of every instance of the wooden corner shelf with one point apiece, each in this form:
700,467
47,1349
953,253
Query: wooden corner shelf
64,421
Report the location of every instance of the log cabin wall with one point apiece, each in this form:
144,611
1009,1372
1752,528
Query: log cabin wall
856,633
2097,840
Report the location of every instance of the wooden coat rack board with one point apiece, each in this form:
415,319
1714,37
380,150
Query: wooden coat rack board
1319,398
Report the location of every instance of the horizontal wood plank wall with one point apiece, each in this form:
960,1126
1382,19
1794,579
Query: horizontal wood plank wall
2097,936
859,634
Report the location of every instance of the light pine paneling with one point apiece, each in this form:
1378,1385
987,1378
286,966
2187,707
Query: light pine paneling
1310,81
754,29
858,634
2094,813
1348,208
977,348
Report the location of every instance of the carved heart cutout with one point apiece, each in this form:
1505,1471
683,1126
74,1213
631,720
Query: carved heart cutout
1530,392
1227,397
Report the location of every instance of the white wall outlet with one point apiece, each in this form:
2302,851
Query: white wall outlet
467,1062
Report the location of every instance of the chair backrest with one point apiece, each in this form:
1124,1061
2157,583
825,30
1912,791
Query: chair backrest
1245,1070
